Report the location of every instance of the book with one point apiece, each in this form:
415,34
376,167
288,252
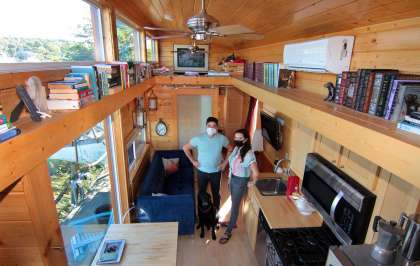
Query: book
393,96
344,84
4,128
109,76
71,96
259,72
68,91
383,93
66,84
357,88
10,133
377,83
337,88
361,93
69,104
412,120
111,252
249,71
409,127
400,106
369,89
351,88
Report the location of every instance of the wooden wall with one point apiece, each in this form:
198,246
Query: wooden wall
166,47
167,111
388,45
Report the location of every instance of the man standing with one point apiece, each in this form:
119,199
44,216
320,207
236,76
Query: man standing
209,162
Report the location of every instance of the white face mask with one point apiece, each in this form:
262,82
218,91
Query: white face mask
211,131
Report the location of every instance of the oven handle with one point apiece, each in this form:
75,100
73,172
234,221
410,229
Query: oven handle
334,204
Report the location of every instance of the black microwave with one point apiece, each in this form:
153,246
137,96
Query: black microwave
345,205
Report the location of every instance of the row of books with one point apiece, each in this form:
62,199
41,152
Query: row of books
271,74
379,92
86,84
7,130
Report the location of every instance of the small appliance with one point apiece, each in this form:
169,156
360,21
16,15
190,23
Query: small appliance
389,237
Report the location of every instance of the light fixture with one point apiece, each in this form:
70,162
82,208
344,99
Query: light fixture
152,102
140,113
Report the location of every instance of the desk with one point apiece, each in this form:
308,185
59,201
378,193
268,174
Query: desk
146,243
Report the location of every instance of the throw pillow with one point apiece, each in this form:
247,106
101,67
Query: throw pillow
171,165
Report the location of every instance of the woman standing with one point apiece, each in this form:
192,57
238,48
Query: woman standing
243,172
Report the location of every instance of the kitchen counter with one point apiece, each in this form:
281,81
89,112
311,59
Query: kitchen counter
146,243
280,212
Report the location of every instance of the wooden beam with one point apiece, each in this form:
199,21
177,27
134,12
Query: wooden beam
109,24
122,162
40,200
38,141
373,138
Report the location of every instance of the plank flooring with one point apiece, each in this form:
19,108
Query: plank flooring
194,251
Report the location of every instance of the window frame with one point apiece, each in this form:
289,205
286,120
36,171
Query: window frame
99,51
138,55
155,49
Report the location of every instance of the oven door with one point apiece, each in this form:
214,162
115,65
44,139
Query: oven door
261,245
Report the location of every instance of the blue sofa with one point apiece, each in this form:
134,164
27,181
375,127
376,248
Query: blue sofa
179,202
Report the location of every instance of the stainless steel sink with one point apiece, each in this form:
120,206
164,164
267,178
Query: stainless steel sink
271,186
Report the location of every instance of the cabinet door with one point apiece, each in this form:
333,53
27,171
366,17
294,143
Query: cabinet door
359,168
251,220
301,143
328,149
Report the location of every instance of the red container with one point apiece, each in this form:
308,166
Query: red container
293,185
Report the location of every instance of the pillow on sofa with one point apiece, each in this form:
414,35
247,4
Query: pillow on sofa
171,165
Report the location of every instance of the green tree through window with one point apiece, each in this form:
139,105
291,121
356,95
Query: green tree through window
126,46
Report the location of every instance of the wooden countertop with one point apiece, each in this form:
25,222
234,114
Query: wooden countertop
146,243
281,212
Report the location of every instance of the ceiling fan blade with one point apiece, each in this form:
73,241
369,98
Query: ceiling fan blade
173,36
246,36
164,29
231,29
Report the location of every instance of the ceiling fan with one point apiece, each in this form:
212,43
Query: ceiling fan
203,27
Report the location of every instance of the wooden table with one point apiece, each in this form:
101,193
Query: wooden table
146,243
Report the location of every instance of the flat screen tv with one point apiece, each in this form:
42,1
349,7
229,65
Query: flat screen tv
184,60
272,130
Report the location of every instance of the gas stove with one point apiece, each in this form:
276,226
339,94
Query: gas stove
302,246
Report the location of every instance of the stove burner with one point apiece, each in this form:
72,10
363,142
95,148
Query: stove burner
312,241
290,243
303,246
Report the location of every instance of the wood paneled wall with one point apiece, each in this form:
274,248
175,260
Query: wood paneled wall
168,112
388,45
166,48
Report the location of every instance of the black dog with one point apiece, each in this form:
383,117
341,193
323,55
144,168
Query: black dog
206,214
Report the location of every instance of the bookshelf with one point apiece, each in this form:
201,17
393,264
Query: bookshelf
374,138
40,140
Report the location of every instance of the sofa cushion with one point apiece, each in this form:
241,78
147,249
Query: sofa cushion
170,165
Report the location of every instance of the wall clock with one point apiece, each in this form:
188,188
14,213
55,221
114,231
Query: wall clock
161,128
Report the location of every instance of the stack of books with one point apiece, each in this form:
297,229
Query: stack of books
109,78
411,123
89,74
271,74
7,130
69,94
379,92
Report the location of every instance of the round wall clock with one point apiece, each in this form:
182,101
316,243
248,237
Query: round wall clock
161,128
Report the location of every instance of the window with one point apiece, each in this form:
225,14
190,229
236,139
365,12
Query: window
47,31
82,192
128,42
151,50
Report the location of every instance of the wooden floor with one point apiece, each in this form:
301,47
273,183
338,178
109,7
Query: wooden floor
194,251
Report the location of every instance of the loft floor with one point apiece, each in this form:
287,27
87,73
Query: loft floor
194,251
